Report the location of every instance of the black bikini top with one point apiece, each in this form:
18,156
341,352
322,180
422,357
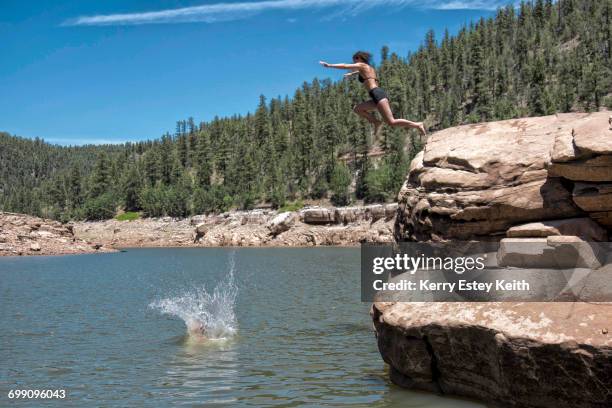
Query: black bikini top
362,79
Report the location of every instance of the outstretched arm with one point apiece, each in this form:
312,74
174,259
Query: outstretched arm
341,66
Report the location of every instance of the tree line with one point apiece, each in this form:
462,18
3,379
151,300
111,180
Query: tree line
540,58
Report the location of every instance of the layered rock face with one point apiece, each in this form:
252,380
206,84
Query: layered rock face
510,354
27,235
477,181
542,183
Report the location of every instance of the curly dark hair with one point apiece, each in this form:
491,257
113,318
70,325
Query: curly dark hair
363,56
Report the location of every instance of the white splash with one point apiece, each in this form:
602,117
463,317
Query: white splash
206,315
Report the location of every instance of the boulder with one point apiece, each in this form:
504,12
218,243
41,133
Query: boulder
372,213
200,231
281,223
35,246
347,215
254,217
525,253
583,227
318,215
508,354
476,181
375,212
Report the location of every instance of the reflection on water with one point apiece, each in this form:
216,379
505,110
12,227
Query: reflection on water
203,370
284,327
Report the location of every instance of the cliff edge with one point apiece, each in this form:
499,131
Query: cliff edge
532,178
478,181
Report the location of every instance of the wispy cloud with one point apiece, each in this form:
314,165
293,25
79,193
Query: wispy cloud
471,5
211,13
82,141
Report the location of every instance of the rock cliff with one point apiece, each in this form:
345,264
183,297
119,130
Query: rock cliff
546,179
478,181
510,354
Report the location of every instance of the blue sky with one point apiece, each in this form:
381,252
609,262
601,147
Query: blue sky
75,72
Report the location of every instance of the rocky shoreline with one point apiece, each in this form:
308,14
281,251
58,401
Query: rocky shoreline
342,226
22,234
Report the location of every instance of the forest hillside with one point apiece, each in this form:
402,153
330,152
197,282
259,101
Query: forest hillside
540,58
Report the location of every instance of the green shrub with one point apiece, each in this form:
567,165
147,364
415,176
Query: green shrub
164,200
211,200
176,201
152,201
379,183
128,216
247,200
100,208
294,206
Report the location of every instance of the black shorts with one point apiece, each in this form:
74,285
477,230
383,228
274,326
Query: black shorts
377,95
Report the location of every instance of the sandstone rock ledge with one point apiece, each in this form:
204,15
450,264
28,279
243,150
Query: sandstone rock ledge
508,354
22,234
546,179
479,180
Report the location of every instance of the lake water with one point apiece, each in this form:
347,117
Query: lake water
111,330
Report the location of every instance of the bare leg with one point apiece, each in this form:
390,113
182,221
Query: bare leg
364,110
385,111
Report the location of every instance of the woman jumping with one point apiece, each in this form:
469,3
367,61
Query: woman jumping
367,75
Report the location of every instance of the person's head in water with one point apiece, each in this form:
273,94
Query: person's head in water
362,56
196,328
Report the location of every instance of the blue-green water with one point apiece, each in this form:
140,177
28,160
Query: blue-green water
94,326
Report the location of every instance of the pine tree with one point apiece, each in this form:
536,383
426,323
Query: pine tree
101,177
131,186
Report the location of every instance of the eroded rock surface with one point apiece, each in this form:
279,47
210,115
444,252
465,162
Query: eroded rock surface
582,227
308,227
480,180
511,354
545,184
22,234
